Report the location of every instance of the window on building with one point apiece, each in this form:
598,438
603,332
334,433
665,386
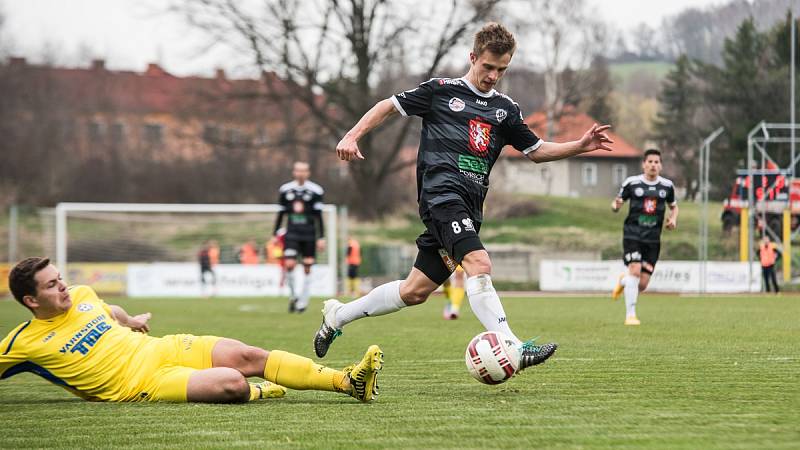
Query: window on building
153,133
118,132
589,174
211,134
619,172
95,130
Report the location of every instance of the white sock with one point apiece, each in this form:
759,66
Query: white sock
631,284
290,282
485,304
302,302
384,299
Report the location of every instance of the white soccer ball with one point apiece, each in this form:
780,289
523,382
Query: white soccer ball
492,357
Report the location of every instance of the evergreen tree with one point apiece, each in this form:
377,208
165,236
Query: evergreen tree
674,127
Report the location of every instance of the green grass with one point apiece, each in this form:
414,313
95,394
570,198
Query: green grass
719,372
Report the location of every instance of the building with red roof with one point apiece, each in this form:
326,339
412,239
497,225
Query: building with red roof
595,174
157,115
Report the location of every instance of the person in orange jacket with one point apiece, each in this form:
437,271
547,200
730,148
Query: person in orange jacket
769,254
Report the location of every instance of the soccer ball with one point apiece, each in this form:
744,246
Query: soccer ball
492,357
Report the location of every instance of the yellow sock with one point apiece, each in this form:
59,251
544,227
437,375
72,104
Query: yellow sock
456,297
296,372
356,286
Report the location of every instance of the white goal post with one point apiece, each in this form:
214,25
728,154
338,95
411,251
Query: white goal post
81,224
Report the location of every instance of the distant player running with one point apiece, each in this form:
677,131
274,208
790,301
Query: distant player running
101,353
301,203
466,124
649,195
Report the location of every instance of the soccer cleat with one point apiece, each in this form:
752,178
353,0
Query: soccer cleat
327,332
293,304
269,390
449,312
618,288
632,320
364,375
531,354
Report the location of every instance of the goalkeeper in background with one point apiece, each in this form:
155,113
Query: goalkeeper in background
301,204
99,352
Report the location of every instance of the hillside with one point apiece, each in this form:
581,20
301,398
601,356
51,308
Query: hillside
567,223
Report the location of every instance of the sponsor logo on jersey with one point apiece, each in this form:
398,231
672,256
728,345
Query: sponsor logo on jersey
85,339
479,137
501,115
83,307
456,104
638,192
49,336
473,164
454,82
481,102
647,221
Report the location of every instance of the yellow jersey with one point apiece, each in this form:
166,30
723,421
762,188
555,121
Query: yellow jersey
83,350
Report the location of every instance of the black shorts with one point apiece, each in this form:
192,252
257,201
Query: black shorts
641,252
352,271
451,233
304,248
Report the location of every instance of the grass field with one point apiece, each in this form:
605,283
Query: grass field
699,373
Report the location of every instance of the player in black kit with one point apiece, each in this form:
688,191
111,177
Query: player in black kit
466,124
649,196
301,202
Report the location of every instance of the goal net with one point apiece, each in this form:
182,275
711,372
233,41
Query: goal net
146,249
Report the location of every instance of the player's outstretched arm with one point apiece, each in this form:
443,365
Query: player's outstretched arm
347,149
594,139
135,323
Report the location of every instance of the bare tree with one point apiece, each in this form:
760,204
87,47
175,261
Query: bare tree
560,37
339,58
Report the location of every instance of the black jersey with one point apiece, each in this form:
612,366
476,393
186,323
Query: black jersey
463,132
648,201
302,205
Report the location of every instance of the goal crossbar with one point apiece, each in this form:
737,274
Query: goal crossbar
63,209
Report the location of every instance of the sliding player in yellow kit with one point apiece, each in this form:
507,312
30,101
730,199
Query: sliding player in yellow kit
99,352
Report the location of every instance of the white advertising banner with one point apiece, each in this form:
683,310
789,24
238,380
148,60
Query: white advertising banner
669,276
232,280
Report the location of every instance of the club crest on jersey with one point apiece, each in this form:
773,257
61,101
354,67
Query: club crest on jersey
83,307
501,115
662,193
456,104
649,206
479,137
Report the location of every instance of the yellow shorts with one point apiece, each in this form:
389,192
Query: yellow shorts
168,364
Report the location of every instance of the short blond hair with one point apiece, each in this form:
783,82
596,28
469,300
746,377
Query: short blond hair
495,38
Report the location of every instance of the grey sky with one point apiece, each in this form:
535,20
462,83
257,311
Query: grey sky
128,34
